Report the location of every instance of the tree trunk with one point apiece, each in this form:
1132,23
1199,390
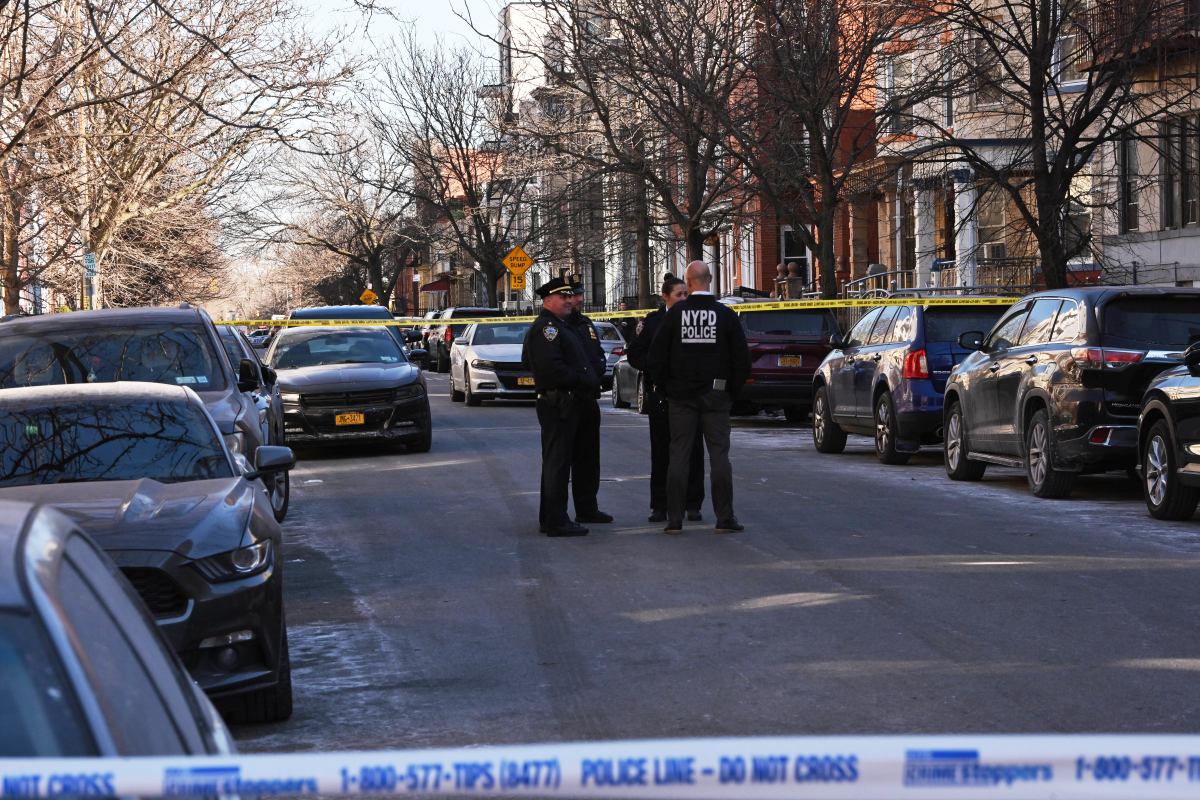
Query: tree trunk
12,261
826,261
642,217
492,272
695,244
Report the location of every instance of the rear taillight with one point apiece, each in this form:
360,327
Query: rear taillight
1105,357
448,336
618,351
916,365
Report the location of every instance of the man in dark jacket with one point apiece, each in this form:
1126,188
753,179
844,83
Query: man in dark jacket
585,467
700,359
562,375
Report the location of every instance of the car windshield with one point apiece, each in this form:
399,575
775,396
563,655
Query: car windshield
1151,322
501,333
309,348
172,354
947,324
46,442
233,347
787,323
608,333
38,716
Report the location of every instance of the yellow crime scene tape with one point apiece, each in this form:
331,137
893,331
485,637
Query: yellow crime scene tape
741,308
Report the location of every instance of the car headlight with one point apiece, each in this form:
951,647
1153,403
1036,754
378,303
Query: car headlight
409,392
290,397
240,563
479,363
236,442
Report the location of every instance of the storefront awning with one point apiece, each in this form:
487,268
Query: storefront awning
440,285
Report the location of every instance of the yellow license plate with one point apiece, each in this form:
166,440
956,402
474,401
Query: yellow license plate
791,361
525,380
350,419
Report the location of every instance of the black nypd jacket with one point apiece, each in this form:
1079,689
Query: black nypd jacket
699,341
638,351
557,356
582,325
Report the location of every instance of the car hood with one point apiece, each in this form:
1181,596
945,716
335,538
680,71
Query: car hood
194,519
224,405
347,377
497,352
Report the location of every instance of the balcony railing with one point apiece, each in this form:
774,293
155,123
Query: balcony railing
1131,29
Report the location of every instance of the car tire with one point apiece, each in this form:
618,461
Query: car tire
796,415
1044,480
471,398
272,704
617,402
281,494
456,395
828,436
886,433
643,402
1166,497
956,446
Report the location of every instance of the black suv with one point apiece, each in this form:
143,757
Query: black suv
1169,440
1057,385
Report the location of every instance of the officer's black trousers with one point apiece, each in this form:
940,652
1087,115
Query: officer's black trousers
559,433
709,415
585,467
660,459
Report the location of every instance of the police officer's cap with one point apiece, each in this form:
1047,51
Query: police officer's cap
554,286
577,287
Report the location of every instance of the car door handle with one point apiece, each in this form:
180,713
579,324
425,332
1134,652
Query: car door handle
1031,360
994,367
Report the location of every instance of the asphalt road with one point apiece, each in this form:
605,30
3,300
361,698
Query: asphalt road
425,609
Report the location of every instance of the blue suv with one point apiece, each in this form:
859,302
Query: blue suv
885,378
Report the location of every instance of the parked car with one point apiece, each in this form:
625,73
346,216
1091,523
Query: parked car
786,347
442,333
1057,385
427,327
176,346
143,469
485,364
613,344
1169,440
259,338
83,672
405,339
886,377
347,382
269,401
627,387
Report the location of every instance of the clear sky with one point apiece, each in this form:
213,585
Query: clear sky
430,18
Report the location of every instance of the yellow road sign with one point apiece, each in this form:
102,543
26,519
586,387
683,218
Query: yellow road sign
368,296
517,261
517,282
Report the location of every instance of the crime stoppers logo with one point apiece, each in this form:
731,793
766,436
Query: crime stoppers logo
213,781
964,768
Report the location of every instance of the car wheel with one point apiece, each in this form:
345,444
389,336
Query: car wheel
281,494
617,401
795,414
1044,479
272,704
643,402
886,433
471,398
1166,497
956,446
828,437
456,394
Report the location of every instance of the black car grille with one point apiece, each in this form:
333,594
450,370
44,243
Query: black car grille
344,399
511,366
161,595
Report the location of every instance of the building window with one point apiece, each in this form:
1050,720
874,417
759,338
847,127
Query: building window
794,252
989,215
599,291
988,75
1069,47
1127,169
908,230
948,89
897,78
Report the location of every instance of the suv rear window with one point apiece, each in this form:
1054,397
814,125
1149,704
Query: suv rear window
1151,322
947,324
787,323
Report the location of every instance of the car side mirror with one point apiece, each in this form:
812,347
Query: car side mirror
270,458
269,375
1191,357
419,355
837,341
412,336
249,376
971,340
462,340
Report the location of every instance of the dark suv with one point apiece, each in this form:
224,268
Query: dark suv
1169,440
442,333
887,376
786,347
1057,385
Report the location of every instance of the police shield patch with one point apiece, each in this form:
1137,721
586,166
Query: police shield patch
550,332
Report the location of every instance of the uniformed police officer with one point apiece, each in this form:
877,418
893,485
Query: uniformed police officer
673,290
585,469
562,373
700,358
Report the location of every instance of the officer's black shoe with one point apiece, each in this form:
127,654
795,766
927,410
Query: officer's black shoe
596,517
657,516
730,525
694,515
674,527
568,528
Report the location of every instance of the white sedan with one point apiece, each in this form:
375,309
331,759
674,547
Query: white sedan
485,364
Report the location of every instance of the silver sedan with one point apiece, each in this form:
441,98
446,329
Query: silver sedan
485,364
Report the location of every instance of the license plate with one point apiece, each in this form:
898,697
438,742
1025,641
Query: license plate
791,361
354,418
525,380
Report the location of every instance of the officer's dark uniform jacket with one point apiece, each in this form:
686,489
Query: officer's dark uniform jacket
700,340
586,331
638,351
557,357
